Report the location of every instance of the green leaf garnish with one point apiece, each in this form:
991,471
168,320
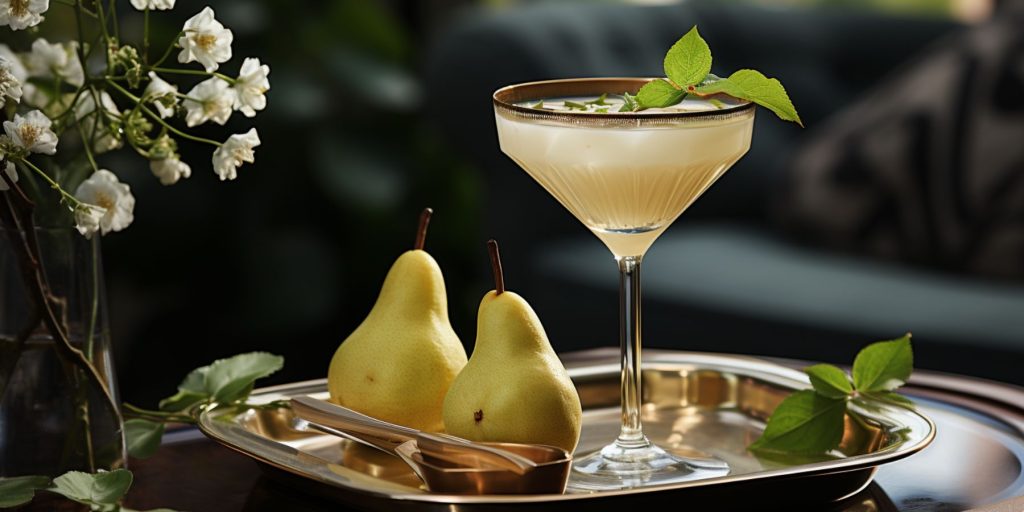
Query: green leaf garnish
600,101
574,105
629,103
688,68
805,422
20,490
659,94
689,60
751,85
829,381
539,104
883,366
142,437
98,490
810,421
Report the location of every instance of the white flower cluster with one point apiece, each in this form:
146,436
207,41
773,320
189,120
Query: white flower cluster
22,14
104,203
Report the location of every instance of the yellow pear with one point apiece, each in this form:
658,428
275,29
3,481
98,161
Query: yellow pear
514,388
398,364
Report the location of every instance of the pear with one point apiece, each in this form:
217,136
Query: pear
514,388
398,364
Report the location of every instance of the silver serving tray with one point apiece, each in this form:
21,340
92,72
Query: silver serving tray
693,402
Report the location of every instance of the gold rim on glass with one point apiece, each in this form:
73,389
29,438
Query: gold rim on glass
508,100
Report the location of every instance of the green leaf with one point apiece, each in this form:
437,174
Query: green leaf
752,85
689,60
99,489
600,101
232,379
142,437
181,400
804,423
225,380
883,366
891,398
19,490
659,93
829,381
629,103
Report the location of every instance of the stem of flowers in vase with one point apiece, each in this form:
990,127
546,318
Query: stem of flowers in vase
16,214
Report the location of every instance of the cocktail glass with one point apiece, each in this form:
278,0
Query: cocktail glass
626,176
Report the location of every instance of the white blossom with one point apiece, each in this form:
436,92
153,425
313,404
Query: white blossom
170,170
237,150
12,175
205,40
10,86
162,94
87,219
108,204
21,14
157,5
32,132
210,99
17,66
55,60
251,86
88,117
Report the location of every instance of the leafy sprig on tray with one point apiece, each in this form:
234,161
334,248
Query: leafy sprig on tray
811,421
223,383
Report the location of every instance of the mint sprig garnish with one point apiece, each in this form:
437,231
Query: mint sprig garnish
811,421
688,71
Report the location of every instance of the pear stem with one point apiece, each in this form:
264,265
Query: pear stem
499,276
421,233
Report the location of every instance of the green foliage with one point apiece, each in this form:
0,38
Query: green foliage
19,490
829,381
101,491
810,422
688,61
142,437
688,68
804,423
883,366
659,93
753,86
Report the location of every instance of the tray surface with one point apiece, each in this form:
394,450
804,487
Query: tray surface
716,403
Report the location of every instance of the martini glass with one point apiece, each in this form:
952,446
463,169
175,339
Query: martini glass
626,176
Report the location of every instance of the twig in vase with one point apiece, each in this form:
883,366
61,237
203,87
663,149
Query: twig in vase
16,214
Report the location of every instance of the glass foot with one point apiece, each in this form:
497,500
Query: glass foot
622,467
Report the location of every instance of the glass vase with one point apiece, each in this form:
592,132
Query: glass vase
54,414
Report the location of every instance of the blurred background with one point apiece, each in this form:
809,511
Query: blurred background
898,208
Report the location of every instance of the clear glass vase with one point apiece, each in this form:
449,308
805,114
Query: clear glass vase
54,414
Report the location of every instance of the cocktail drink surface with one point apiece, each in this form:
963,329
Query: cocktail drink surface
626,176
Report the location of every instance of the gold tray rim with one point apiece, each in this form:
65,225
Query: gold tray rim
765,369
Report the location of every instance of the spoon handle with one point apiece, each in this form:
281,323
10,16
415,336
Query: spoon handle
352,422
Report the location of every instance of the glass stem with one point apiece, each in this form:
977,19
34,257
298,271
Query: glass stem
632,434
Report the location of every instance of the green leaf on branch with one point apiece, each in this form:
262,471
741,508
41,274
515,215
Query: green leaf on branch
629,103
883,366
223,381
100,490
688,61
181,401
659,93
751,85
829,381
804,423
20,490
142,437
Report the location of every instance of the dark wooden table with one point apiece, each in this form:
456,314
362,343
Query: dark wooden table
966,465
